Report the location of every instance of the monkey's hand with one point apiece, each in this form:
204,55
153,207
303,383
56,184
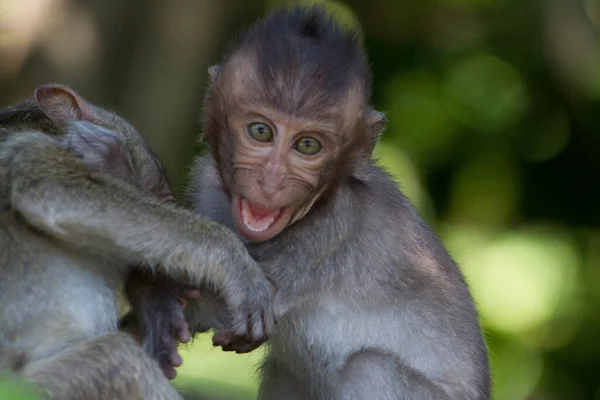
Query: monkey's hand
159,305
229,341
244,339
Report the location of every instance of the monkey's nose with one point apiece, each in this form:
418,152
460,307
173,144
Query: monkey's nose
271,189
271,182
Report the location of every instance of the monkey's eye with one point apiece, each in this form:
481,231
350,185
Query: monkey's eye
260,132
308,145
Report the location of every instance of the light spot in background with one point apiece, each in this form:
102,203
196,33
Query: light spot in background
485,189
547,139
205,363
518,278
71,42
21,23
394,161
418,118
490,93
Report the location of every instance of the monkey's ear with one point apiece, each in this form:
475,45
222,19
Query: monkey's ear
63,105
213,72
375,124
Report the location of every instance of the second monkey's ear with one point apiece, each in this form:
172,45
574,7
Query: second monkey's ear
213,72
63,105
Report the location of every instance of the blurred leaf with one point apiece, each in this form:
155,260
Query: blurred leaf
11,389
491,93
418,118
546,139
516,370
485,188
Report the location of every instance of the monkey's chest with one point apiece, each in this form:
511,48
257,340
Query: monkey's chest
317,336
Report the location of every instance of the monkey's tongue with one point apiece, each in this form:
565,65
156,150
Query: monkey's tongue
258,219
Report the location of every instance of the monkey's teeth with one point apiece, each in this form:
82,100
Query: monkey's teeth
256,224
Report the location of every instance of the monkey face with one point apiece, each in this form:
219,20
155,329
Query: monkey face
285,122
277,163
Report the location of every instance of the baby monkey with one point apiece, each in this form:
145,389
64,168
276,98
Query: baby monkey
369,302
74,226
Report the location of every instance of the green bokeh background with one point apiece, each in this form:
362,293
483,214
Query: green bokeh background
494,133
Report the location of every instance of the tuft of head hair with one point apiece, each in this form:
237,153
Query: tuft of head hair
310,54
302,62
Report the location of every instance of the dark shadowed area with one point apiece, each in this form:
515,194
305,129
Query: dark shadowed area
494,133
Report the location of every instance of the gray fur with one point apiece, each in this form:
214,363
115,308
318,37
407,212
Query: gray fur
70,233
370,304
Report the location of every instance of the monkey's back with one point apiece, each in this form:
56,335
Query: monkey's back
24,116
50,296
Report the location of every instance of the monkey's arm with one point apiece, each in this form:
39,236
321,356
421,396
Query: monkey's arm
55,193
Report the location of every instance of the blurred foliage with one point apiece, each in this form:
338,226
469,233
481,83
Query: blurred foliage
12,389
494,133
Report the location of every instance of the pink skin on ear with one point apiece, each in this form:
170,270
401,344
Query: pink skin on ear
63,105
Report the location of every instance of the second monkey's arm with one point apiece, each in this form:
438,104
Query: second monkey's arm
55,193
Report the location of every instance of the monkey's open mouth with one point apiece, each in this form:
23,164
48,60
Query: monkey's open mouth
255,222
256,218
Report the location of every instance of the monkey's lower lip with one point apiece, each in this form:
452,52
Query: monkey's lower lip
256,218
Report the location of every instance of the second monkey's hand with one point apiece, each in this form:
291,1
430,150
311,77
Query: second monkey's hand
159,309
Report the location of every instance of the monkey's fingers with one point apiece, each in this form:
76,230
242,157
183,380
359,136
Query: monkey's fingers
170,358
178,327
240,344
175,359
223,338
260,325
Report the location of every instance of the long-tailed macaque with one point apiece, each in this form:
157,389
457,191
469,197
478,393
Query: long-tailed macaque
370,304
73,224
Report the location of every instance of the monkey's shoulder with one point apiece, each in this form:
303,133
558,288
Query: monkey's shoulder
377,204
400,241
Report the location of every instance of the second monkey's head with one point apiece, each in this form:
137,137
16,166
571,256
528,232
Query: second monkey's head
287,117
